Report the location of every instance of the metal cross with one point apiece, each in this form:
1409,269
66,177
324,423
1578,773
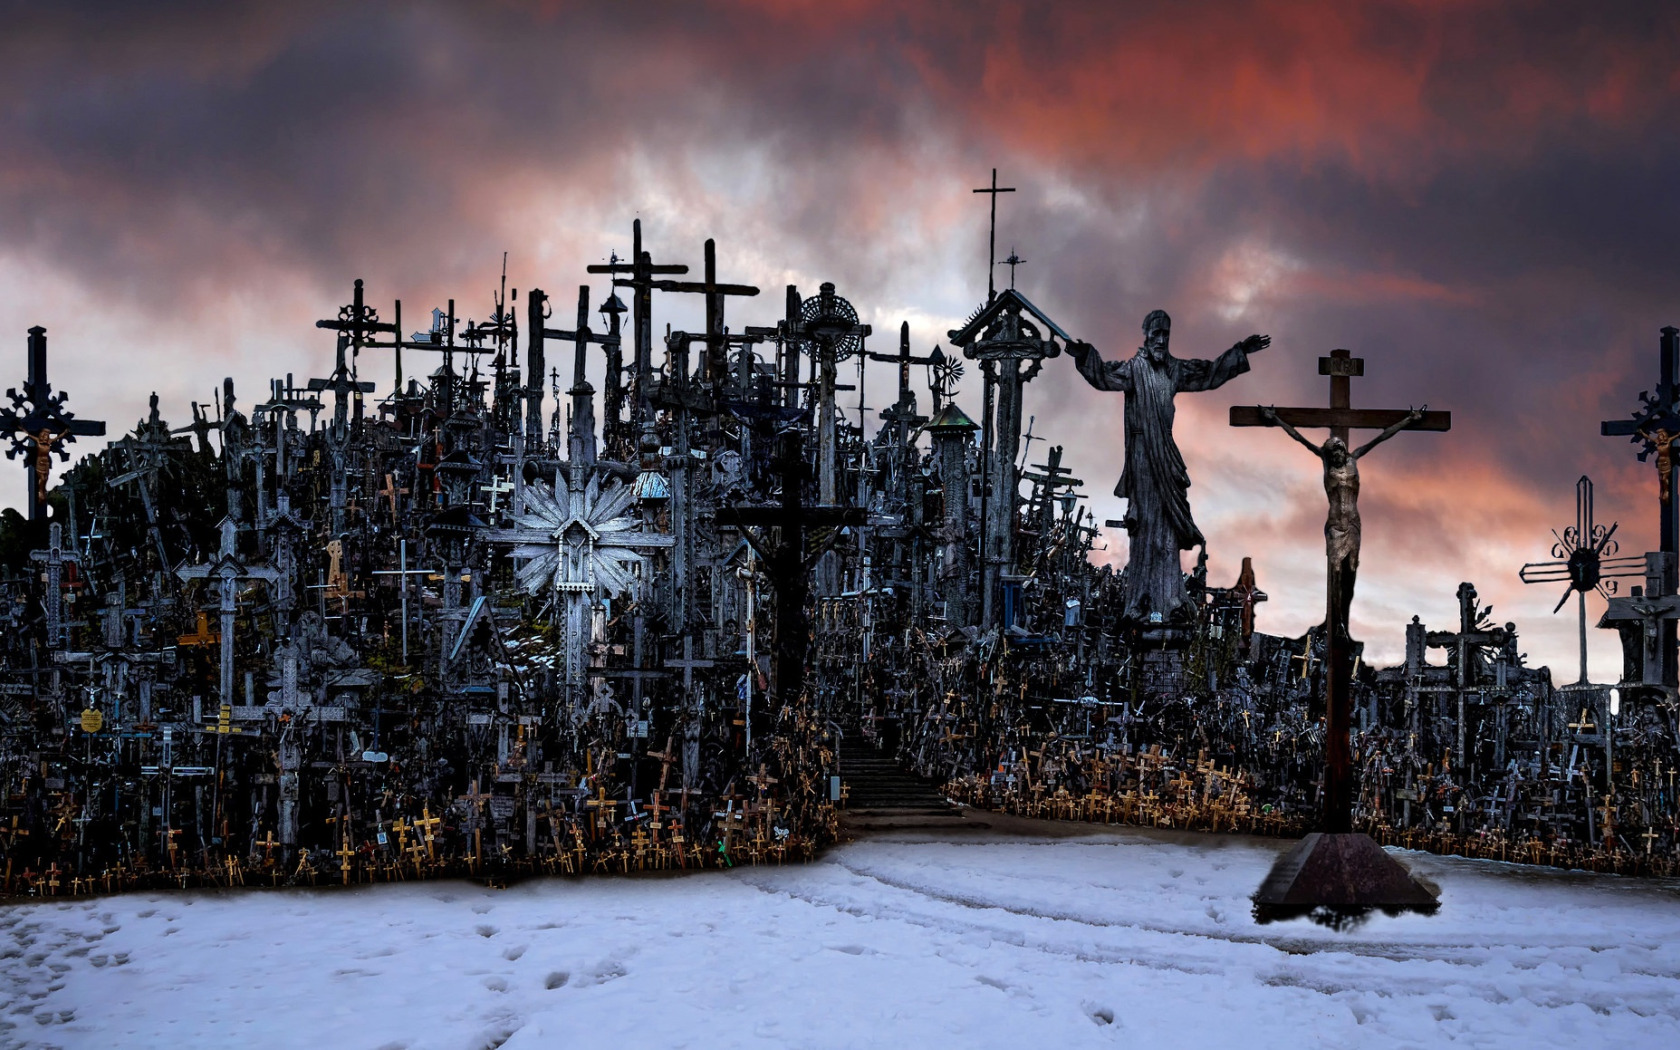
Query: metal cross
991,244
1011,262
38,426
1585,553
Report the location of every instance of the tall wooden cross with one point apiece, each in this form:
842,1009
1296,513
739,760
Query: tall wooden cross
582,447
641,269
1339,418
38,426
356,324
717,340
903,359
789,564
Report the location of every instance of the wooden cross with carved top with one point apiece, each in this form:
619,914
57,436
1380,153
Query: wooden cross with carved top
1340,418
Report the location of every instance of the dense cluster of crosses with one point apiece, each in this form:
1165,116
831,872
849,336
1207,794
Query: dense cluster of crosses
483,623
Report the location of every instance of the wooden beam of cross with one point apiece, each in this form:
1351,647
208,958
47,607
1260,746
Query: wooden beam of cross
641,269
715,291
1341,416
903,360
1341,479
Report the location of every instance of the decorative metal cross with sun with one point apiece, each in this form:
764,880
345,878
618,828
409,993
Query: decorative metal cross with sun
579,538
580,542
1586,561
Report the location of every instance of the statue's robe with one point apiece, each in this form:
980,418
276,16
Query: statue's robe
1154,483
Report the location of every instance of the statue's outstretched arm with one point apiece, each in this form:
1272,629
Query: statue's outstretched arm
1269,414
1099,373
1411,417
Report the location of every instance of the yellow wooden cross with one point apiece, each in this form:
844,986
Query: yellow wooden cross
223,723
268,845
345,853
428,823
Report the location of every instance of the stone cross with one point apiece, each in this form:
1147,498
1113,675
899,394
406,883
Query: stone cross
1341,479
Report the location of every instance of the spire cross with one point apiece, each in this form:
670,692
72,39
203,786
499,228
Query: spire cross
991,244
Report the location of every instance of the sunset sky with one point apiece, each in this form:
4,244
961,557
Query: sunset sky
1479,199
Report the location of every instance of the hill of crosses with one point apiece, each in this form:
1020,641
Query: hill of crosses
451,610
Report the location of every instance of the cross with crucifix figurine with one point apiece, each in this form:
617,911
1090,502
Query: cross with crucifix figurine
1342,538
38,426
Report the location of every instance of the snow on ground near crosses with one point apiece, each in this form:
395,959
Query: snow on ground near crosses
989,940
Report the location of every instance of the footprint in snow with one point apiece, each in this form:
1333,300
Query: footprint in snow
513,954
486,931
556,980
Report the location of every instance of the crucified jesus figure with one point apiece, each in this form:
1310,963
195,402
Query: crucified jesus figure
1341,486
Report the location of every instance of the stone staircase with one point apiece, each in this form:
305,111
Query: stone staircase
881,795
877,785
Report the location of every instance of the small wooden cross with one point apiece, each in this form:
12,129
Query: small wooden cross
268,846
428,823
474,797
391,492
498,485
667,758
203,636
344,854
1649,837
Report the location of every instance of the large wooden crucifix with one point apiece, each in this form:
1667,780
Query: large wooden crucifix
1342,536
788,562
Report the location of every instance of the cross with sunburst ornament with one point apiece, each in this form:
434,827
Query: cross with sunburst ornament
1586,561
580,541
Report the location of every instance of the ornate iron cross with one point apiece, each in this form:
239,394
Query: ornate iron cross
38,426
1585,553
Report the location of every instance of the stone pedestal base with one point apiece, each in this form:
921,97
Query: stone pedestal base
1338,879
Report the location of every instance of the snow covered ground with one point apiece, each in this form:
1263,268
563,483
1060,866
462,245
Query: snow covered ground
1112,938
